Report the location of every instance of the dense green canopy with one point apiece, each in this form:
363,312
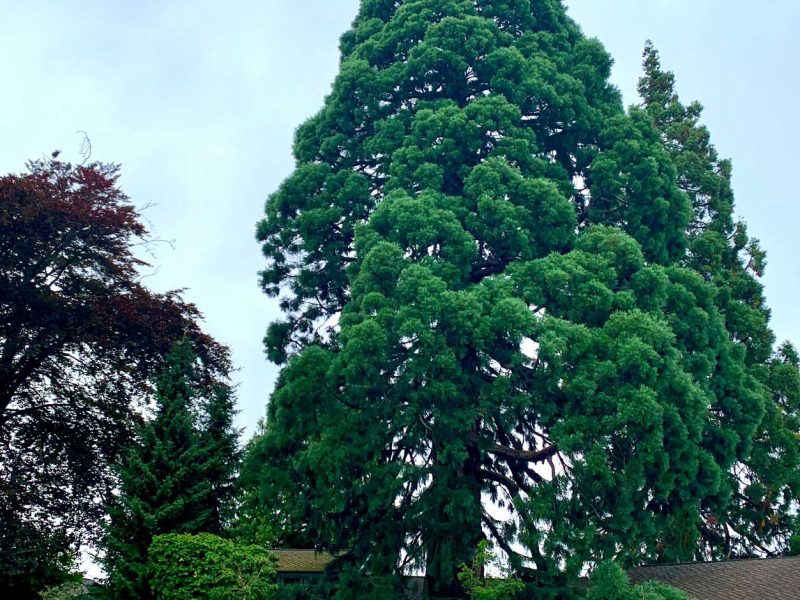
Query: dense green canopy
753,514
516,311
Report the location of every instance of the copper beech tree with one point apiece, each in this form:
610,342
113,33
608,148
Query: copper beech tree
80,341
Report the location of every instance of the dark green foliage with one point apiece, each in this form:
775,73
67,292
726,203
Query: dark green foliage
352,583
502,586
173,480
609,582
415,107
221,455
500,298
296,592
33,560
755,511
185,567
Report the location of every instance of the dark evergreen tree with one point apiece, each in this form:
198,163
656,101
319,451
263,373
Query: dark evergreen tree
493,327
167,480
222,455
755,513
33,560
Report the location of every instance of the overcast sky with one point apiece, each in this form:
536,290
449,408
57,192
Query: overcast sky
198,101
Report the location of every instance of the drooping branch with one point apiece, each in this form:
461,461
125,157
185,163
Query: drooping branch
520,470
534,456
517,559
499,538
512,487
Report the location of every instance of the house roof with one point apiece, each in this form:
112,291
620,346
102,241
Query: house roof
302,561
773,578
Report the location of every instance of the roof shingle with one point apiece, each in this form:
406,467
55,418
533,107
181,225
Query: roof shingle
302,561
751,579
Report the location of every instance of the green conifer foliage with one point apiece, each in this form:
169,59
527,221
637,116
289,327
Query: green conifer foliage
174,479
221,455
492,328
755,512
428,90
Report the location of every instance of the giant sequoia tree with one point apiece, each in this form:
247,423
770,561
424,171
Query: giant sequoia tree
514,311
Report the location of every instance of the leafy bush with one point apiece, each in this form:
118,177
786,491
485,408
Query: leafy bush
296,592
609,582
73,590
184,567
481,588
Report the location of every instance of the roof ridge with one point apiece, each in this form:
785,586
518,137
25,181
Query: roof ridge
724,561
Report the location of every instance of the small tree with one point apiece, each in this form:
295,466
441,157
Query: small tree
222,455
165,479
183,567
38,559
755,512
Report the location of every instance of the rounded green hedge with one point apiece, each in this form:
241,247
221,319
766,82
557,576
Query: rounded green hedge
207,566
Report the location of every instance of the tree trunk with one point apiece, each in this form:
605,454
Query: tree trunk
452,541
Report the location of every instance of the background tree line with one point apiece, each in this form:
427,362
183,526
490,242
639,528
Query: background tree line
116,411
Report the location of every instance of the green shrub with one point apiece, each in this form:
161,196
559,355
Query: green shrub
73,590
481,588
609,582
297,592
184,567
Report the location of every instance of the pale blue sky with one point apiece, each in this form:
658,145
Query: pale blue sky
198,100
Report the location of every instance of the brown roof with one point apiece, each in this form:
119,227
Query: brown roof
302,561
773,578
